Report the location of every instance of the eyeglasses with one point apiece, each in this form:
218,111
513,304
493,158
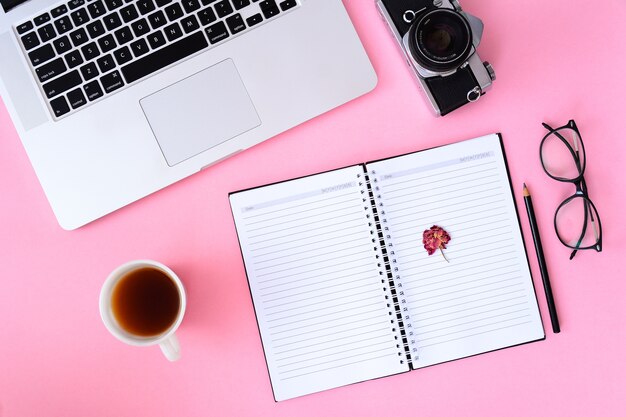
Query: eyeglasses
576,221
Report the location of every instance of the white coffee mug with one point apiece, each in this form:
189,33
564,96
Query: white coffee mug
167,340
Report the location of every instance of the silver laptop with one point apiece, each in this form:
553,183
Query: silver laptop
116,99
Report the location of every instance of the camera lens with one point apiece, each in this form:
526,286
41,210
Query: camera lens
441,40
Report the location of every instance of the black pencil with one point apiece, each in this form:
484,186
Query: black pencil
542,261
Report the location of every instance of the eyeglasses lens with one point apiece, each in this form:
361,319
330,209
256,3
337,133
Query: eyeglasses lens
577,223
562,154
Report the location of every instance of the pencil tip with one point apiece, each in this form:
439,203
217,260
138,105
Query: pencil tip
525,191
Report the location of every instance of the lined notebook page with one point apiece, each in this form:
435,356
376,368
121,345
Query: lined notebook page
483,299
315,283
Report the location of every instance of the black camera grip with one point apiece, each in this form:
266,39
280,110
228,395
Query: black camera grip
453,91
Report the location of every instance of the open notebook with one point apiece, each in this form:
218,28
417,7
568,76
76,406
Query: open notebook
343,289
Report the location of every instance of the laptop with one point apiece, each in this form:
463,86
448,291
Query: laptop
116,99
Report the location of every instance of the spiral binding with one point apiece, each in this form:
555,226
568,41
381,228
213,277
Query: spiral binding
385,265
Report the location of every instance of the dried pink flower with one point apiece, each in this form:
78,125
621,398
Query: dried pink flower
435,238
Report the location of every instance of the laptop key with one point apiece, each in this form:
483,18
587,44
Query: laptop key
139,48
63,24
223,8
254,19
145,6
79,37
80,17
96,9
140,27
58,11
46,32
41,19
73,4
112,81
206,16
123,35
190,23
106,63
41,55
62,84
113,4
73,59
240,4
191,6
59,106
93,91
30,40
173,32
216,32
62,45
156,39
207,2
161,3
112,21
90,51
95,29
122,55
269,8
76,98
173,12
163,57
287,4
51,70
24,27
89,71
235,23
129,13
157,19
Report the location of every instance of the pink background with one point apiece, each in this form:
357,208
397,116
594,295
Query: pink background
555,60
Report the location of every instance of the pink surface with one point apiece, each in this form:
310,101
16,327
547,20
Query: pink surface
554,60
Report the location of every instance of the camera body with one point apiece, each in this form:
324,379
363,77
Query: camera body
439,41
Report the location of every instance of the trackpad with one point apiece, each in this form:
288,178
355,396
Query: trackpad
200,112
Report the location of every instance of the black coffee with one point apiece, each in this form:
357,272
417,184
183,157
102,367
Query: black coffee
145,302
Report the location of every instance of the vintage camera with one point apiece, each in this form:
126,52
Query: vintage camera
439,41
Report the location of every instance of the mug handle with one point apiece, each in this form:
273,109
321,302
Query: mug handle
171,348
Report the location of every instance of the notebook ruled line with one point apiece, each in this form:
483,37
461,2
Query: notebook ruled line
473,321
352,342
414,207
443,180
392,183
380,329
317,295
310,246
320,309
470,315
315,269
473,328
348,200
334,367
333,327
422,311
337,360
362,279
317,255
476,334
327,314
357,215
314,277
299,205
327,355
445,190
304,238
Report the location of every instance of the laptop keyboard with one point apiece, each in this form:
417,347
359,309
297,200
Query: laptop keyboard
86,50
